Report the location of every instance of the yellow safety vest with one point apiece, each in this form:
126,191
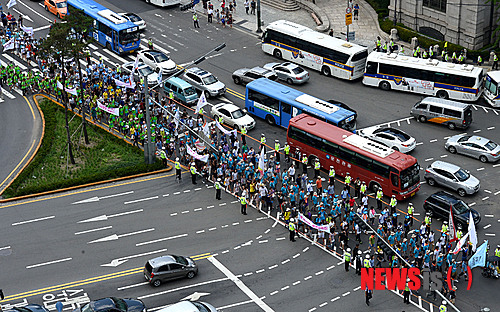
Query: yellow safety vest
410,210
177,165
262,140
217,185
427,220
243,200
317,165
304,160
367,263
332,173
459,236
243,130
347,180
171,95
363,188
276,146
291,226
393,202
287,149
442,308
444,228
379,194
193,170
497,252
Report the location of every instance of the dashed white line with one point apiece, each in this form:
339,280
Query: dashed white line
248,221
267,231
285,288
259,271
340,262
200,231
259,237
335,299
161,240
225,251
305,249
357,288
234,201
489,216
208,207
296,255
296,283
498,192
198,209
273,267
487,191
474,106
472,204
476,131
312,309
345,294
274,293
419,143
47,263
429,159
496,113
261,218
486,226
444,156
212,229
446,138
237,247
496,165
6,247
323,304
187,191
33,220
485,198
222,204
285,261
484,108
248,274
307,278
480,169
330,267
490,128
489,234
263,241
433,140
166,195
93,230
225,226
236,223
280,238
319,273
140,200
185,211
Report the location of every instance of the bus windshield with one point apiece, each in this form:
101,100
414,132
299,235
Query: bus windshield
410,176
127,37
491,86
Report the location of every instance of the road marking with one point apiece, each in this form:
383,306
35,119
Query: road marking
429,159
490,128
240,285
273,267
6,247
225,251
185,287
472,204
495,112
498,192
319,273
489,234
103,56
474,106
486,226
335,299
285,288
494,166
419,143
177,193
487,191
33,220
280,238
248,274
222,204
296,255
140,200
446,138
485,198
484,108
10,58
185,211
267,231
444,156
118,261
296,283
94,230
208,207
200,231
305,249
489,216
198,209
187,191
263,241
259,237
248,221
345,294
312,309
173,214
480,169
116,236
8,94
134,285
197,189
236,223
115,56
259,271
212,229
330,267
285,261
161,240
476,131
105,217
433,140
166,195
274,293
47,263
323,304
307,278
357,288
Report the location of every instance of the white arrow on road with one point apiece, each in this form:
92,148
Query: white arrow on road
195,296
106,217
115,236
117,262
96,198
24,16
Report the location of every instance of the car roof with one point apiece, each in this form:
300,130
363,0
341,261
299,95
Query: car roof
445,103
159,261
445,166
183,306
260,70
478,140
289,65
229,106
445,196
198,71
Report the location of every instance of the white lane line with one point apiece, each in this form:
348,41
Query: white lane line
225,251
236,223
280,238
103,56
476,131
296,283
296,255
140,200
485,198
166,195
480,169
240,285
274,293
94,230
225,226
187,191
132,286
472,204
419,143
259,237
305,249
429,159
198,209
18,91
489,234
285,261
47,263
487,191
177,193
323,304
444,156
212,229
489,216
474,106
446,138
285,288
267,231
273,267
161,240
330,267
433,140
312,309
357,288
6,247
484,108
10,58
248,221
486,226
200,231
185,211
259,271
32,10
307,278
494,166
41,28
498,192
33,220
319,273
494,110
345,294
197,189
222,204
490,128
263,241
335,299
173,214
248,274
93,47
184,287
261,218
208,207
8,94
115,56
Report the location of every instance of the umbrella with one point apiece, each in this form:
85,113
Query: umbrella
493,258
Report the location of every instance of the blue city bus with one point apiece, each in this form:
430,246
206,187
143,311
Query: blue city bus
110,29
277,104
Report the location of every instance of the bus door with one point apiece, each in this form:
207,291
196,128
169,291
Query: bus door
286,113
114,46
394,182
95,31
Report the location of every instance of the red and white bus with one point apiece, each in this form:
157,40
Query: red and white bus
377,165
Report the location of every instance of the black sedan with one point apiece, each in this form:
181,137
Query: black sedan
113,304
28,308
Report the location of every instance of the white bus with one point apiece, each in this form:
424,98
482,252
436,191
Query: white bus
425,76
491,93
306,47
164,3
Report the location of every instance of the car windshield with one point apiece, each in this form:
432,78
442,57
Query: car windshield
129,35
238,114
491,145
120,304
462,175
181,260
464,138
410,176
189,91
200,306
399,134
297,70
460,207
145,71
160,57
61,5
134,18
87,308
209,80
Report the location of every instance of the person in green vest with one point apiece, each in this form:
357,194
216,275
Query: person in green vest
243,202
277,150
192,169
217,189
347,259
244,135
287,152
177,166
393,203
378,197
331,175
291,229
495,62
479,60
163,157
406,292
304,164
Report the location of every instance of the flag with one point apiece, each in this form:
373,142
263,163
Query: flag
160,77
129,84
11,3
202,101
136,64
28,30
206,130
472,232
479,258
261,162
177,118
9,45
452,231
460,244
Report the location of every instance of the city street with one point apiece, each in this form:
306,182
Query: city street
93,243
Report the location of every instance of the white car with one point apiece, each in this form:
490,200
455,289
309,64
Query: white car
233,116
134,18
142,70
390,137
157,60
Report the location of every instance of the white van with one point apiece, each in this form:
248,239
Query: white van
446,112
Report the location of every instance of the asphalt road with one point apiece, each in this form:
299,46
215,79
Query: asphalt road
59,236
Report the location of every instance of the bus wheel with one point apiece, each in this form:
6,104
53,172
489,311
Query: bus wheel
325,70
277,54
270,120
422,119
384,85
312,160
236,80
374,186
442,94
451,126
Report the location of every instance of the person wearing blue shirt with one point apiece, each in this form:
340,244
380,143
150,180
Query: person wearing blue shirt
449,258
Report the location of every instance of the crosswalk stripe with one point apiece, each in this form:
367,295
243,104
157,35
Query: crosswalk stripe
18,91
100,55
156,47
115,56
10,58
8,94
93,46
33,64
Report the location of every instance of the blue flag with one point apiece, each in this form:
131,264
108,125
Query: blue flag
479,258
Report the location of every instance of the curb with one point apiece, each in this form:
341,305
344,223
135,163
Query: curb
374,16
311,7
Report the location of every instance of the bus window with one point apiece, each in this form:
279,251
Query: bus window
436,109
128,37
264,100
394,179
380,169
371,68
286,108
359,56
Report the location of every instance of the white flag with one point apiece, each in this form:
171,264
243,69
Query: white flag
11,3
160,76
202,101
9,45
472,232
261,162
28,30
206,130
460,244
129,84
136,64
177,118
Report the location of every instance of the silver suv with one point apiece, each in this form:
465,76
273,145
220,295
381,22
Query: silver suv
169,267
451,176
204,81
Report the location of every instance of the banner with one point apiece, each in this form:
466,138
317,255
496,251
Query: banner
206,130
28,30
472,232
11,3
9,45
190,151
113,111
261,162
130,84
452,232
69,90
479,258
460,244
324,228
200,146
221,128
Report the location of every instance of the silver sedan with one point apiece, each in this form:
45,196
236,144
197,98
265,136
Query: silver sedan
474,146
289,72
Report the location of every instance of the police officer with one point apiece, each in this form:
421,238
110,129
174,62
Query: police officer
393,204
317,167
495,61
444,227
163,157
217,189
363,189
304,164
366,262
347,259
347,182
442,307
244,135
410,213
406,293
243,202
358,262
195,20
331,174
262,142
277,150
177,166
150,43
287,152
479,60
291,229
193,172
378,197
171,96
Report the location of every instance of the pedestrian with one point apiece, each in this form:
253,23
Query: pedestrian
406,292
358,262
291,229
150,43
442,307
217,189
356,11
243,202
479,60
1,291
195,20
177,166
347,259
368,295
230,22
495,61
210,13
252,7
163,157
193,172
217,16
330,33
247,6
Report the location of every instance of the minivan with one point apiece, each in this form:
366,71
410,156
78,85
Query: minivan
169,267
446,112
182,90
438,206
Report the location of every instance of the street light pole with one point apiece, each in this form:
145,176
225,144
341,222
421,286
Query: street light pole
259,23
148,151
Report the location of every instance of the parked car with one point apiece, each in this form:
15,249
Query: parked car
113,304
233,116
390,137
474,146
142,71
32,307
438,205
157,60
134,18
57,7
204,81
169,267
289,72
451,176
189,306
246,75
